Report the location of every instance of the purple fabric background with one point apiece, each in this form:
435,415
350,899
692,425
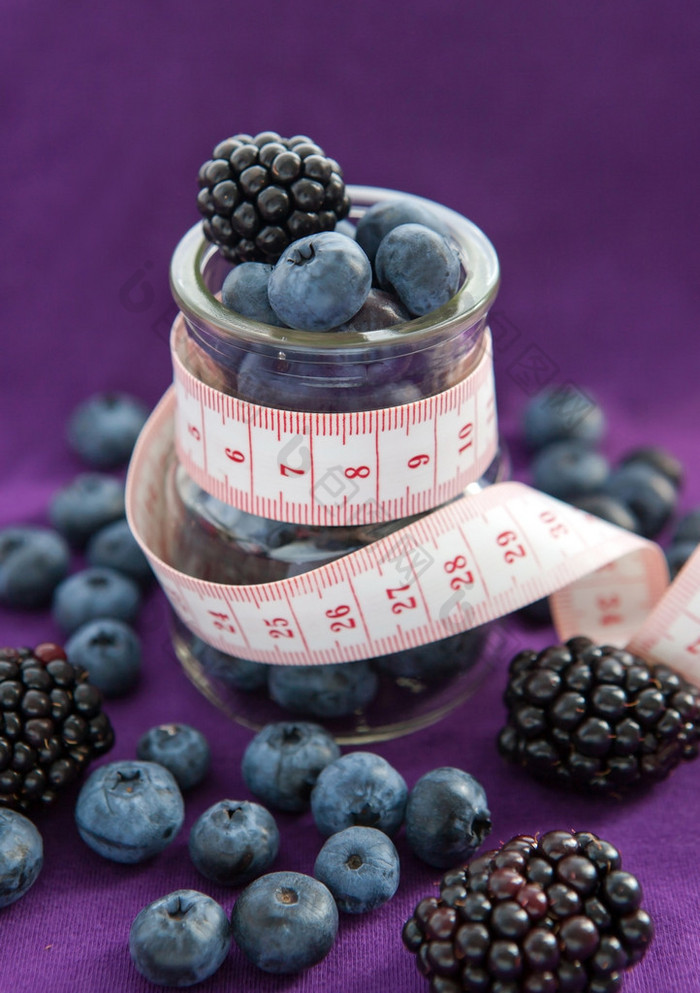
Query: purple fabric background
567,132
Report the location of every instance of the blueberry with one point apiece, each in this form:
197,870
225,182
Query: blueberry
447,817
282,762
285,922
21,856
319,281
608,508
245,292
234,841
183,750
380,310
359,788
33,561
129,811
383,217
240,674
360,866
86,504
567,469
649,494
110,651
436,661
115,547
687,527
180,939
562,413
94,593
103,429
657,458
420,266
677,554
323,690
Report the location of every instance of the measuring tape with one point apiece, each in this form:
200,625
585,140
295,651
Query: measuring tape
469,562
337,468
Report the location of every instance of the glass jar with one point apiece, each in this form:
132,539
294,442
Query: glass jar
330,371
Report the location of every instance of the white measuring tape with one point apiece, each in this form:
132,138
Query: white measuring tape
469,562
336,468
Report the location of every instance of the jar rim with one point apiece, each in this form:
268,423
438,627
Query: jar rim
471,301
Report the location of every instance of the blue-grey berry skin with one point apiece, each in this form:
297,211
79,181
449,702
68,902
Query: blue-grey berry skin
110,651
608,508
380,310
687,527
567,469
677,554
115,547
360,866
285,922
562,413
182,749
234,841
129,811
383,217
447,817
180,939
89,502
94,593
21,856
239,674
319,282
657,458
324,691
103,429
420,266
282,763
33,561
648,493
359,788
245,292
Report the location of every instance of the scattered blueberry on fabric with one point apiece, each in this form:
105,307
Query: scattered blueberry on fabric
21,856
649,494
234,841
95,593
87,503
33,561
282,762
129,811
103,429
115,547
360,866
180,939
110,652
562,413
447,817
285,922
359,788
568,469
182,749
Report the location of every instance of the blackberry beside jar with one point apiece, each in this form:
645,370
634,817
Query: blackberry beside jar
330,371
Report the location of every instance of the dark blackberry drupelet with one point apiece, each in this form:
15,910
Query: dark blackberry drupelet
597,718
258,194
550,915
51,724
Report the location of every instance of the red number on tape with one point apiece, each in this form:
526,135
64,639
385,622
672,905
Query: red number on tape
287,469
418,460
194,431
353,471
511,554
408,604
234,455
342,611
279,628
465,435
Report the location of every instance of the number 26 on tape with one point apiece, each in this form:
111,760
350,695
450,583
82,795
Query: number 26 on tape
342,620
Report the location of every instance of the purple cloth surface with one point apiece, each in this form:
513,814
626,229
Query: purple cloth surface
567,132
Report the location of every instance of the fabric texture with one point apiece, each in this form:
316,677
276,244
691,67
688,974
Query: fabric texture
569,134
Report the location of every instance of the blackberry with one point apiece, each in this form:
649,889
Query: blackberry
554,914
51,724
597,718
259,194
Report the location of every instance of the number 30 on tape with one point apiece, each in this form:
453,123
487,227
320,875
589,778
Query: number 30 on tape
473,560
